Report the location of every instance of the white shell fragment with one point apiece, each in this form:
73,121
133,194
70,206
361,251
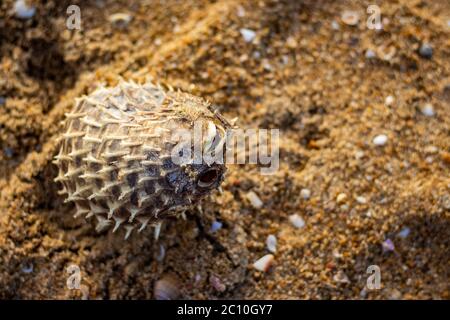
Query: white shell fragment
263,264
271,243
297,221
380,140
255,201
341,198
23,10
341,277
248,34
305,193
428,110
389,100
361,200
350,18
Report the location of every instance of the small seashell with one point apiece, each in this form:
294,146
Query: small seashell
341,198
166,288
216,283
23,10
341,277
389,100
386,53
305,193
380,140
120,20
297,221
335,25
370,54
428,110
263,264
247,34
388,245
254,200
271,243
350,18
361,200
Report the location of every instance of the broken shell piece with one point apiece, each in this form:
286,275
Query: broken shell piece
350,18
263,264
166,288
216,283
341,198
23,10
247,34
297,221
120,20
341,277
254,200
271,243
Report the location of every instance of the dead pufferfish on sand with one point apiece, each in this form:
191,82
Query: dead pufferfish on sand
115,159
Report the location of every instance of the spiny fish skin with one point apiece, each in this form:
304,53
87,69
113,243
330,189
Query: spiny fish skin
115,159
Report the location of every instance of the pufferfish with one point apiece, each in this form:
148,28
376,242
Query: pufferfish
116,157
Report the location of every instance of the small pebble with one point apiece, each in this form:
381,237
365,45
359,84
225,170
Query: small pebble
271,243
380,140
8,152
248,34
335,25
23,10
305,193
428,110
254,200
341,197
404,233
426,51
166,288
388,245
297,221
263,264
370,54
28,268
215,226
350,18
361,200
389,100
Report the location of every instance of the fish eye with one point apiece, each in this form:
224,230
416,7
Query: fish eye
208,178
